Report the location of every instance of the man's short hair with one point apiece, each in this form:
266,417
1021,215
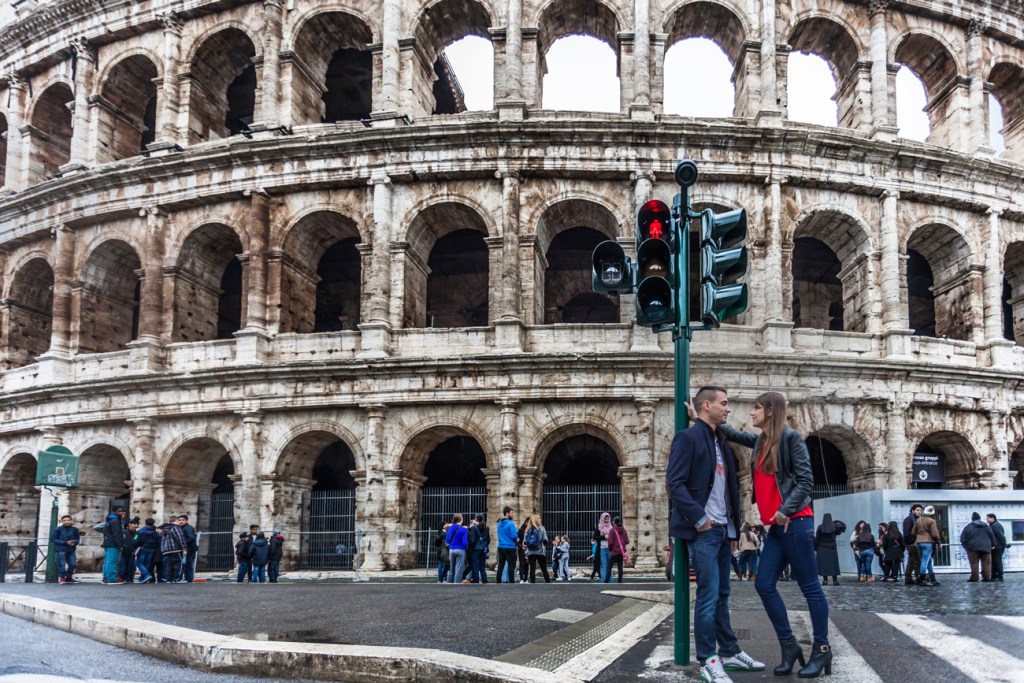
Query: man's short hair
253,526
457,518
184,517
118,508
63,517
993,516
916,506
150,521
708,393
506,510
480,518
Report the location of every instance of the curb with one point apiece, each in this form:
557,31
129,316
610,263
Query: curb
227,654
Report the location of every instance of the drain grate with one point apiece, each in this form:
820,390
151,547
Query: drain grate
556,657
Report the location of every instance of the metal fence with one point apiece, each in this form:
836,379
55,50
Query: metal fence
328,529
437,505
819,491
574,511
215,519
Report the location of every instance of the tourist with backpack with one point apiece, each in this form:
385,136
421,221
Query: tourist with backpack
536,540
443,553
458,541
618,548
113,544
479,546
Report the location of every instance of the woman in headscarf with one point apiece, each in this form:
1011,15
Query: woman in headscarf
604,526
825,550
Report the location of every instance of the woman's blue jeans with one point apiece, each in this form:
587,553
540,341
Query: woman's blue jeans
795,546
927,566
748,562
606,565
867,557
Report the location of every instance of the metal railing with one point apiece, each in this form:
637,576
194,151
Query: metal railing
574,511
819,491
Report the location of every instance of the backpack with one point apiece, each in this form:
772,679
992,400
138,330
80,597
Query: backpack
100,527
533,539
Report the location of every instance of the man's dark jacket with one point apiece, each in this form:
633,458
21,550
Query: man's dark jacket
977,537
259,552
146,538
62,534
908,528
999,533
276,548
691,475
113,533
189,532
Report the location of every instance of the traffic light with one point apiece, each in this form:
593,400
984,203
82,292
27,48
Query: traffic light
723,261
611,269
655,291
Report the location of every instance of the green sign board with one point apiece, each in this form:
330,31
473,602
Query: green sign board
57,466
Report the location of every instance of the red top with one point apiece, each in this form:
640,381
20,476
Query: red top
769,499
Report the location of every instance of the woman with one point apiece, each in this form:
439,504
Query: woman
604,525
825,550
618,547
782,477
521,549
892,547
748,547
853,547
864,545
927,538
883,529
536,542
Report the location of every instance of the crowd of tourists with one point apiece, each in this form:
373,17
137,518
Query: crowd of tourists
463,550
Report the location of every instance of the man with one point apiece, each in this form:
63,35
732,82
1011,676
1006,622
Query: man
276,554
172,547
113,544
65,538
126,567
913,572
508,541
704,494
997,552
147,540
253,530
188,569
479,541
457,538
978,540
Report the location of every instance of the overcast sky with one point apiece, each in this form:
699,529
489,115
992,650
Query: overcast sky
581,77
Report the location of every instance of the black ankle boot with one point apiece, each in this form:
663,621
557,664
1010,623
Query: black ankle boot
791,651
835,580
821,659
932,581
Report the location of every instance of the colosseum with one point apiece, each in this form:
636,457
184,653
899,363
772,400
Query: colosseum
259,264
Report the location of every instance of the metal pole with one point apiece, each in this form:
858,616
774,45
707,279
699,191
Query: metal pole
31,552
680,552
51,556
5,557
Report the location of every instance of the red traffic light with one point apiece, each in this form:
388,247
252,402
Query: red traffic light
653,221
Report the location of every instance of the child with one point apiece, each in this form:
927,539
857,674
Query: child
564,545
242,555
259,556
65,539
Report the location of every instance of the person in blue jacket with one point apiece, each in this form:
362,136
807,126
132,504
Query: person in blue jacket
65,539
113,543
508,541
458,541
147,543
259,556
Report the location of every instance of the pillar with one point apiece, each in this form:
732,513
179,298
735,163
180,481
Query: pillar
271,81
390,58
15,179
144,468
169,100
247,486
85,69
770,113
509,333
259,235
508,456
977,102
640,107
60,337
896,445
993,278
995,470
776,330
371,509
894,315
512,104
881,115
647,488
528,482
376,327
147,349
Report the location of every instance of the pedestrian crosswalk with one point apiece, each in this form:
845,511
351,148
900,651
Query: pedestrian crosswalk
875,648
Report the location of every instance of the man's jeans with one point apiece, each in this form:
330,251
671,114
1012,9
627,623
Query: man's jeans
259,573
143,561
66,560
478,573
867,557
506,565
458,566
172,567
188,567
243,571
273,570
748,563
111,556
711,553
913,562
795,546
926,558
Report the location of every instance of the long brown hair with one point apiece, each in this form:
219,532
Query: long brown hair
774,405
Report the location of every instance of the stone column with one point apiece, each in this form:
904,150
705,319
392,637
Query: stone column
85,69
15,179
657,59
376,326
144,468
252,340
647,489
894,315
147,349
372,513
977,102
528,482
993,280
271,84
169,104
508,456
512,105
882,119
628,482
995,472
776,331
402,490
896,447
769,114
508,323
248,502
390,58
60,336
640,108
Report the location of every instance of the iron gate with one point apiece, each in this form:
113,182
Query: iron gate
575,510
328,529
215,520
437,505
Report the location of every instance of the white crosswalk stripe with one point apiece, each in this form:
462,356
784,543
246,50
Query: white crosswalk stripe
976,659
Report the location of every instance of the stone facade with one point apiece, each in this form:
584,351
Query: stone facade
241,236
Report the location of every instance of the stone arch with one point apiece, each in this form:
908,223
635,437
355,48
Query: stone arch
19,506
331,67
832,277
934,62
29,312
108,296
571,426
438,24
127,106
447,265
104,480
50,131
567,232
962,462
321,273
334,430
1007,79
208,284
428,434
943,283
1013,292
721,22
222,78
559,18
831,39
857,458
194,466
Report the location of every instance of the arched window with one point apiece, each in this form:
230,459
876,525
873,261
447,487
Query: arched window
444,29
1006,110
127,109
50,133
331,69
816,286
568,285
208,285
811,89
578,66
30,313
941,283
109,299
712,80
223,90
471,60
822,81
911,119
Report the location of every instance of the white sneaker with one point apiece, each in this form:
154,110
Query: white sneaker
741,661
713,671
